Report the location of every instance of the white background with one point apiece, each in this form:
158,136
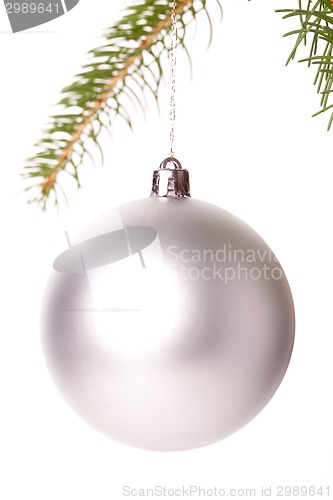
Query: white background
245,133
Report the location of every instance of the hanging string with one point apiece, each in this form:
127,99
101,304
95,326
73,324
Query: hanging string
173,58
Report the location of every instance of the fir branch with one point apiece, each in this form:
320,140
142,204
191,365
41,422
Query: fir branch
128,63
316,31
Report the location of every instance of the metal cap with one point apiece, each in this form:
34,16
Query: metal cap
173,182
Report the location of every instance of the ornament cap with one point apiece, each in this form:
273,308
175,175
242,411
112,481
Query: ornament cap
173,182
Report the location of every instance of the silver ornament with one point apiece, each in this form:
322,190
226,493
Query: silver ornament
169,323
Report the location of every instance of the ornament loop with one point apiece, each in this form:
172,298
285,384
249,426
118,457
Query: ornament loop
176,163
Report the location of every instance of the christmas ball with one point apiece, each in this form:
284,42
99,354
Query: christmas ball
168,324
